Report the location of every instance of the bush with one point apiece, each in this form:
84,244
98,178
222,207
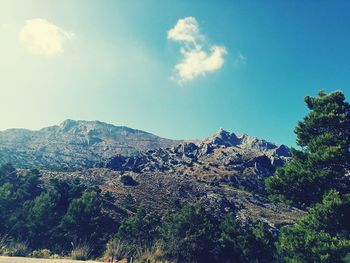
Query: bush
139,232
245,244
189,235
4,241
82,251
42,253
115,250
16,249
128,180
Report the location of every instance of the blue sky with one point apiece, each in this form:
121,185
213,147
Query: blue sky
244,66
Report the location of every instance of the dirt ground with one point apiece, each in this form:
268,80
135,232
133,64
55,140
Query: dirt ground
39,260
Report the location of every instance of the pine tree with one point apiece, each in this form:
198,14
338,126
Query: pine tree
323,159
323,235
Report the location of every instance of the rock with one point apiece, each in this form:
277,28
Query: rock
283,150
223,138
220,159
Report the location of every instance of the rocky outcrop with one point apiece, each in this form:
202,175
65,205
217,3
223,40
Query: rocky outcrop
244,141
240,161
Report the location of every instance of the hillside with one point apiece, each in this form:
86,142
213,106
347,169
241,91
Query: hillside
126,175
240,161
224,172
74,144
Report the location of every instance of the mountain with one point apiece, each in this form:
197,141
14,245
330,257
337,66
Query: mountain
74,145
224,172
241,161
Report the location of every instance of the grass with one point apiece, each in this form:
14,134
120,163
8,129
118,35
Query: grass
81,251
38,260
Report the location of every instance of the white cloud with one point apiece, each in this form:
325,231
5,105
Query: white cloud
197,62
198,57
186,29
41,37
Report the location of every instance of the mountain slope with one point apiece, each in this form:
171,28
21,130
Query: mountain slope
240,161
161,192
224,172
74,144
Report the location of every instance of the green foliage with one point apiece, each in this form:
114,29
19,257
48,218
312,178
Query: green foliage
317,173
15,190
8,175
193,235
67,217
52,215
237,244
128,180
86,221
139,232
15,249
323,235
324,158
116,250
189,235
129,203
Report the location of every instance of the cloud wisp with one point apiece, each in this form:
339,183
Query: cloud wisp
197,57
41,37
240,60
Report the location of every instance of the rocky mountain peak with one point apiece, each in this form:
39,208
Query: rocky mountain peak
244,141
67,124
223,138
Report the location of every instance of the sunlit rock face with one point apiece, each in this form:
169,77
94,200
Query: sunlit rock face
240,161
74,145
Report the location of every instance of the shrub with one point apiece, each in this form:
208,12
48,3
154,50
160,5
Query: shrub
42,253
128,180
150,255
16,249
4,241
82,251
140,231
115,250
189,235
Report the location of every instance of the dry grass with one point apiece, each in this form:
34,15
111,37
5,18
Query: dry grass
38,260
81,251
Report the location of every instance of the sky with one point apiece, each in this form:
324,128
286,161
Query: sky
179,69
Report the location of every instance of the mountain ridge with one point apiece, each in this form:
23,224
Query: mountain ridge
79,144
74,144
